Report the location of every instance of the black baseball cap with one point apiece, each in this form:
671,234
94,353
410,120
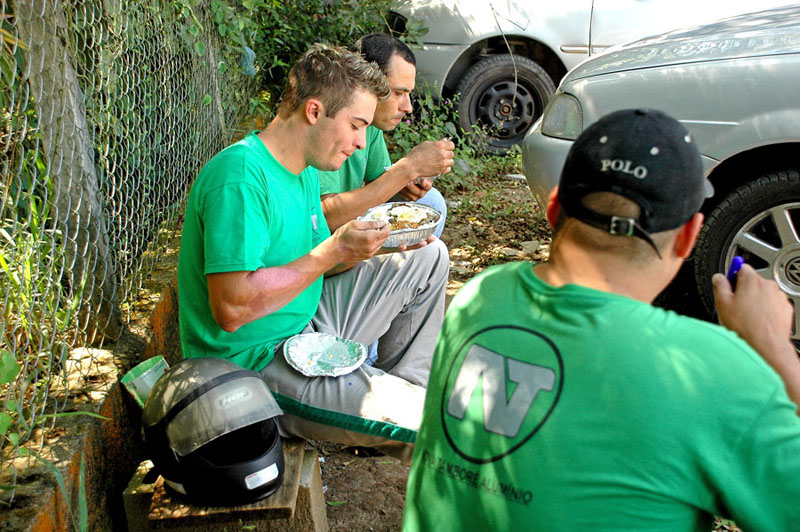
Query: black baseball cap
644,155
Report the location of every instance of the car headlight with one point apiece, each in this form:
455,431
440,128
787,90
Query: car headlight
563,117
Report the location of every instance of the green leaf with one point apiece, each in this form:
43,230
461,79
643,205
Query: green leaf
192,29
8,367
200,47
5,422
206,99
73,414
59,479
13,437
335,503
83,509
7,487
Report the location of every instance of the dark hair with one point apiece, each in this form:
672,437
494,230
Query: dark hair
634,250
380,47
331,74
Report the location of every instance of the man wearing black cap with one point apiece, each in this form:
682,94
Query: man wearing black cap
561,399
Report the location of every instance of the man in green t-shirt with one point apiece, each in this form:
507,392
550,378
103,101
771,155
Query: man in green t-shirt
368,178
561,399
258,265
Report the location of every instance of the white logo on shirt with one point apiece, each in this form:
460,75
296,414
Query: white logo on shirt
501,415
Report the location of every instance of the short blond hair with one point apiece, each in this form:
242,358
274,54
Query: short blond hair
331,74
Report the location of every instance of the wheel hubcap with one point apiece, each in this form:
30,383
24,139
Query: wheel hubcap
792,271
506,109
770,243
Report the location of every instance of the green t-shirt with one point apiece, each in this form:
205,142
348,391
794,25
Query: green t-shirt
572,409
246,211
364,165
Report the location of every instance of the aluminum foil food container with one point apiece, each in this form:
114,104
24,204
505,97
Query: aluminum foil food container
323,354
408,237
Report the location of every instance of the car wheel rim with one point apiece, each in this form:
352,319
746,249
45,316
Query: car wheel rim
506,109
770,243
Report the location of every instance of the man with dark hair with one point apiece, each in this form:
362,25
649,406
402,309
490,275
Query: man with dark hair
561,399
259,265
368,178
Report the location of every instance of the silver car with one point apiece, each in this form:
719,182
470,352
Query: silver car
734,85
505,57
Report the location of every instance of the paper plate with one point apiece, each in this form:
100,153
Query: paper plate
323,354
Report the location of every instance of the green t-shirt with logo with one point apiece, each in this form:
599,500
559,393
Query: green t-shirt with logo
246,211
572,409
363,166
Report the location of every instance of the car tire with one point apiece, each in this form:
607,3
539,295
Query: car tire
489,100
761,222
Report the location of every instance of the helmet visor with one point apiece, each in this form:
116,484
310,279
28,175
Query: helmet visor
222,409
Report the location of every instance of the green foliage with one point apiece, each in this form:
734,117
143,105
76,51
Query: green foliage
27,253
11,50
8,368
434,119
38,312
431,120
278,32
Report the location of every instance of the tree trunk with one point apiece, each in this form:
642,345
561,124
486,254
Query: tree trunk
69,153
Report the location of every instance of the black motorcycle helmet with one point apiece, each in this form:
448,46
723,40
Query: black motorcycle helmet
209,430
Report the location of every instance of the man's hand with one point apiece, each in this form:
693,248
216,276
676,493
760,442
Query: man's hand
432,157
403,247
359,240
758,310
416,190
761,314
429,159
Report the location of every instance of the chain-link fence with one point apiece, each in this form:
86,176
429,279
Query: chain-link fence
108,109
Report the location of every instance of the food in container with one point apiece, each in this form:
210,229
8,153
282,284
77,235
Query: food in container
410,222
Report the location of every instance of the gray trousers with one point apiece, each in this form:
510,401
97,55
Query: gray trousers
399,299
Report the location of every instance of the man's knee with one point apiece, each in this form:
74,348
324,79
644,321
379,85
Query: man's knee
437,256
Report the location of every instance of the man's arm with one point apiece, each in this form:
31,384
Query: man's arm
425,160
760,313
238,298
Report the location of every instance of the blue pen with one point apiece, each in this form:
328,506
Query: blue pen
733,269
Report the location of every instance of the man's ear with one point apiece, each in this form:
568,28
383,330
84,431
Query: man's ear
314,110
553,207
687,235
